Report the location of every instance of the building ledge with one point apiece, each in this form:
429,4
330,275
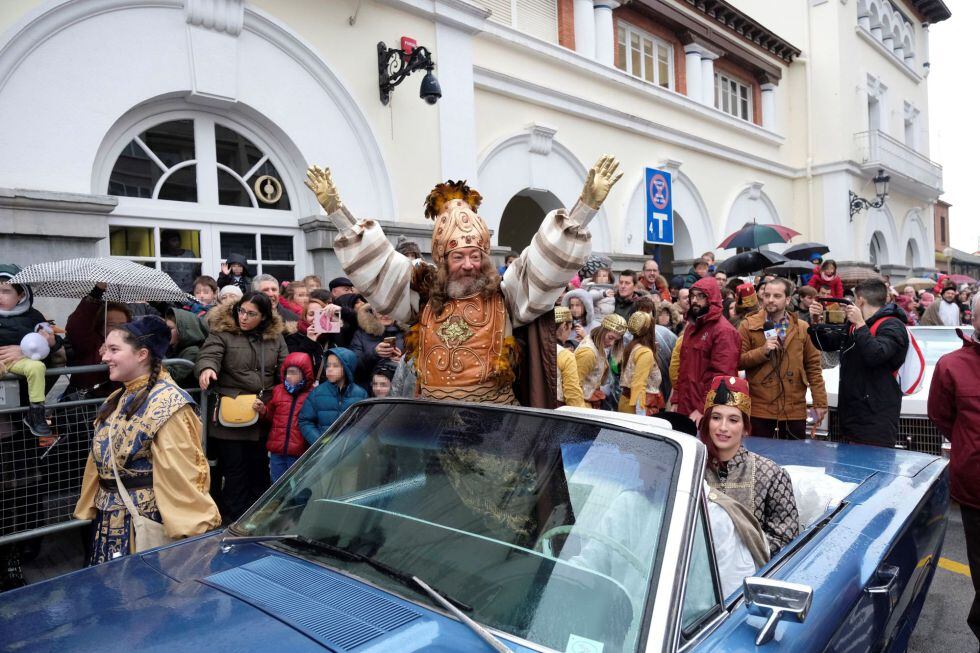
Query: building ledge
48,200
888,54
616,76
47,214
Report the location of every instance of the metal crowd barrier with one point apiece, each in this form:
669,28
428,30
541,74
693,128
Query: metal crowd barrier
914,434
39,485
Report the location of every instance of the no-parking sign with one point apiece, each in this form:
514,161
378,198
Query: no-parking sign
660,214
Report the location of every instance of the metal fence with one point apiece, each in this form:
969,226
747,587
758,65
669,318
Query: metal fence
914,434
40,483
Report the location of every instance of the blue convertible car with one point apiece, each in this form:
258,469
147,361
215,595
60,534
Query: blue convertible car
457,527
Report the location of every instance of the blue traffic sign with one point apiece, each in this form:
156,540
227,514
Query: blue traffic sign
660,214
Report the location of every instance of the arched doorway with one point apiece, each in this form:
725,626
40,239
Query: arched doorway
877,250
523,215
910,255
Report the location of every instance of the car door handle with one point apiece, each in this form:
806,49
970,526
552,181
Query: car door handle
887,583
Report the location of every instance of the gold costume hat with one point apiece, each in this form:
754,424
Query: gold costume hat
562,315
729,391
640,323
452,206
614,323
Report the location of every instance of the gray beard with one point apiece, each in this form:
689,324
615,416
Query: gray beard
466,286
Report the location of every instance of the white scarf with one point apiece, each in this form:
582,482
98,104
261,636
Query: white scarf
949,313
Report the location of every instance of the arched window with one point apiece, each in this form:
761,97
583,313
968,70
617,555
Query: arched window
161,162
196,187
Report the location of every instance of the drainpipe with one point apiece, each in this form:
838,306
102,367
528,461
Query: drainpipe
809,121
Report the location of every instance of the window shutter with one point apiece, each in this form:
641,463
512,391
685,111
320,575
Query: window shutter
538,18
501,11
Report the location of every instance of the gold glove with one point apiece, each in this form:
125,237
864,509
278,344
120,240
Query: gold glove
601,178
321,183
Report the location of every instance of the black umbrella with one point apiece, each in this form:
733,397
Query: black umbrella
804,251
749,262
791,267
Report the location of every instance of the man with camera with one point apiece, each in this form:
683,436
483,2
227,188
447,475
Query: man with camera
780,362
873,345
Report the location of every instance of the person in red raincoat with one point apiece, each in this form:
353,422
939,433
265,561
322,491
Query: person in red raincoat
827,277
710,347
954,407
286,444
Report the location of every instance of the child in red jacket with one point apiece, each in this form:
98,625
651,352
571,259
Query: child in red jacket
286,444
828,278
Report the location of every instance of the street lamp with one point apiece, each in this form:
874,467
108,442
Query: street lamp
881,192
395,65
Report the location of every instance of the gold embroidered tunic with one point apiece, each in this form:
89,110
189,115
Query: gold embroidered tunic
162,439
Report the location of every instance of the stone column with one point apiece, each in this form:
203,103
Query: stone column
692,61
769,106
605,35
865,20
708,77
585,28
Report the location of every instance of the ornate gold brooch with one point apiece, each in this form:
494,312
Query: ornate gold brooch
454,331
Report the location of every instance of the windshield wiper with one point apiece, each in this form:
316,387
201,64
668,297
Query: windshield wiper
338,552
454,606
480,631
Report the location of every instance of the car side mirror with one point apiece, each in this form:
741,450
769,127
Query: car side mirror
765,597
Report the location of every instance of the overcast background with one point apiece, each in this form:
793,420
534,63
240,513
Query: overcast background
954,118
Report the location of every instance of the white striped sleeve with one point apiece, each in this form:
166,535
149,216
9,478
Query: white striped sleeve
378,272
533,282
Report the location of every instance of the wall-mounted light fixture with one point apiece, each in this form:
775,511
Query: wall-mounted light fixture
395,65
881,193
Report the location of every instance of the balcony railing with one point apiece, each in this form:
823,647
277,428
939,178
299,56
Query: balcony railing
877,149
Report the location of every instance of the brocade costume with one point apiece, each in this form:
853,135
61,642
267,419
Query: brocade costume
764,488
466,351
161,463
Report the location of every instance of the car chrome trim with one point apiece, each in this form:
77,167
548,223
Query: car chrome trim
664,629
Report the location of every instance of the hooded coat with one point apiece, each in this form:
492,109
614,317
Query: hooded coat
325,404
710,347
192,331
869,397
590,321
370,332
954,407
283,409
21,320
243,282
239,358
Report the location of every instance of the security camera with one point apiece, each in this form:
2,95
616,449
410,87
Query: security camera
429,90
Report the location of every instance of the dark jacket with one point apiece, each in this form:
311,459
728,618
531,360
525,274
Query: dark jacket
625,306
710,347
244,282
954,407
23,318
778,380
327,402
235,356
84,339
348,314
870,398
192,331
283,409
366,338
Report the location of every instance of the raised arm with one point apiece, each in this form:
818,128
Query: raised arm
379,273
534,281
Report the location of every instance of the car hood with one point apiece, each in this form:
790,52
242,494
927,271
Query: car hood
194,596
913,405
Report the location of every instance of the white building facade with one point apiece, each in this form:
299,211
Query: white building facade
126,122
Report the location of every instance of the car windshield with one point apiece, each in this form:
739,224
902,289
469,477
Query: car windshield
935,342
548,527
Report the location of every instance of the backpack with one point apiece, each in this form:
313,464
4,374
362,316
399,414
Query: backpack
910,374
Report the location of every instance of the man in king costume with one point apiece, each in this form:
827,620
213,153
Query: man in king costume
463,314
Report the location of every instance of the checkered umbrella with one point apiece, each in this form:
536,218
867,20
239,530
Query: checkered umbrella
125,281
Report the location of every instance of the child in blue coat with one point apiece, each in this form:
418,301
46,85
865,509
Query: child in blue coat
332,397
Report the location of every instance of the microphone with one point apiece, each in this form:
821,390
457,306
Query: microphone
769,331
